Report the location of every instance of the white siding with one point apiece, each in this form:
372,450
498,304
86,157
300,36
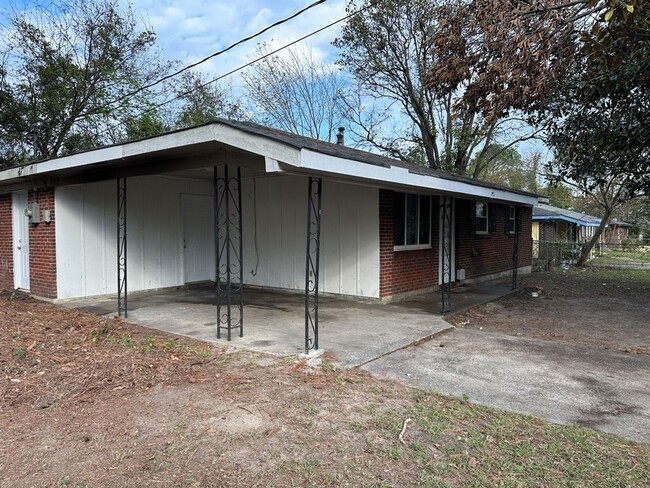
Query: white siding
275,254
86,235
274,214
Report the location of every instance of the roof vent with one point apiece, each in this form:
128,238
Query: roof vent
339,136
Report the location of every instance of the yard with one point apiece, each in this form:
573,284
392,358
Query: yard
635,256
89,401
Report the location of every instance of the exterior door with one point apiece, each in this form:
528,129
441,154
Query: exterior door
21,241
198,237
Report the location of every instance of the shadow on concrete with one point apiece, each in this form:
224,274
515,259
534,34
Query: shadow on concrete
353,332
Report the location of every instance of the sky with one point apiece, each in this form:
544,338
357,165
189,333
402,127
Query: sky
189,30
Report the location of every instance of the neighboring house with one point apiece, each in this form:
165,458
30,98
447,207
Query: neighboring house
388,228
616,232
558,224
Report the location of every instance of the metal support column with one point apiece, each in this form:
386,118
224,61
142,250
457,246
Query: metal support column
229,251
515,247
121,248
314,197
446,223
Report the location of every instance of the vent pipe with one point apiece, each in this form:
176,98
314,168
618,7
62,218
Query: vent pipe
339,136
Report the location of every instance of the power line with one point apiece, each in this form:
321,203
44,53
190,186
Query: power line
256,60
218,53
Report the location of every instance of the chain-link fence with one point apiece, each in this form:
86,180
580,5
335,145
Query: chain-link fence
549,254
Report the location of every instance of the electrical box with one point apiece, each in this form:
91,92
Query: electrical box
33,213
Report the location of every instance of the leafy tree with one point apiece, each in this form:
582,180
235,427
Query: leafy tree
202,101
387,47
69,77
294,91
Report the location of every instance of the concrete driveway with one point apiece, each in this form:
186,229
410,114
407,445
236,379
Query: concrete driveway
563,383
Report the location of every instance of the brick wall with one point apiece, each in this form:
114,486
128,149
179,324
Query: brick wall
6,244
42,247
479,255
403,271
547,231
487,254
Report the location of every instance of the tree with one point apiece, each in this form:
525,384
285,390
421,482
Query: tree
202,101
598,121
294,91
70,75
387,49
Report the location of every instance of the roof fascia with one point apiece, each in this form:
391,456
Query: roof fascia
402,177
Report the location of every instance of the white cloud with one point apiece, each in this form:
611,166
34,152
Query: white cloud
189,30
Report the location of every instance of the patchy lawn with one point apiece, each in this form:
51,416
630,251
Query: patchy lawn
88,401
596,307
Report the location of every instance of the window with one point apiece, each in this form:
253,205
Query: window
510,220
412,221
481,218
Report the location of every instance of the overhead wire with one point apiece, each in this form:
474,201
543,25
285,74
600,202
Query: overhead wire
217,53
260,58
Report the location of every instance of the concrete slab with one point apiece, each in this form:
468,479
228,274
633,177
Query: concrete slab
352,331
563,383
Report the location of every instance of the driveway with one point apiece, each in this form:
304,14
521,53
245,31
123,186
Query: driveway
564,383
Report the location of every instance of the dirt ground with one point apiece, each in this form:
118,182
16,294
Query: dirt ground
600,308
94,402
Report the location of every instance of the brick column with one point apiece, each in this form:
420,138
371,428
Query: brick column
42,247
6,243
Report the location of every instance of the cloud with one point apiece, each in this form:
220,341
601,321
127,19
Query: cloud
189,30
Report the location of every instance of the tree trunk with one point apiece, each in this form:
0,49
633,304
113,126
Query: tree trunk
589,245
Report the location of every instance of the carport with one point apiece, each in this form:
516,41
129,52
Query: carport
355,331
239,206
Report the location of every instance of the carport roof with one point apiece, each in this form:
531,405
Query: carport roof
542,212
283,152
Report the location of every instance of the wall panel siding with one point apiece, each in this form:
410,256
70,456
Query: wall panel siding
349,235
86,235
275,219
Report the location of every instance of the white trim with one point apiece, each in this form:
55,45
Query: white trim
303,160
412,247
316,161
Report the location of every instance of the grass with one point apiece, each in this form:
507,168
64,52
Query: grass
456,443
620,256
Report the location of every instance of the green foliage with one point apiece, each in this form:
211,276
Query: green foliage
598,120
202,101
71,67
20,353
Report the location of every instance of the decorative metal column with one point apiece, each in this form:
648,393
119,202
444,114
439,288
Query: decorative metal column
446,223
121,248
515,247
229,251
314,197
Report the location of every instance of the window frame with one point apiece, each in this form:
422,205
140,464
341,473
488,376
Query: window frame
418,246
478,218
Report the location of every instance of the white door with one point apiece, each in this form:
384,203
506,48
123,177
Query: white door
20,233
198,237
442,259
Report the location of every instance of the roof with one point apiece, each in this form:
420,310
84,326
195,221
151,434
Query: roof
543,212
342,151
282,152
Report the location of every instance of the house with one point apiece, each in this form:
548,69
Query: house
616,232
244,205
558,224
